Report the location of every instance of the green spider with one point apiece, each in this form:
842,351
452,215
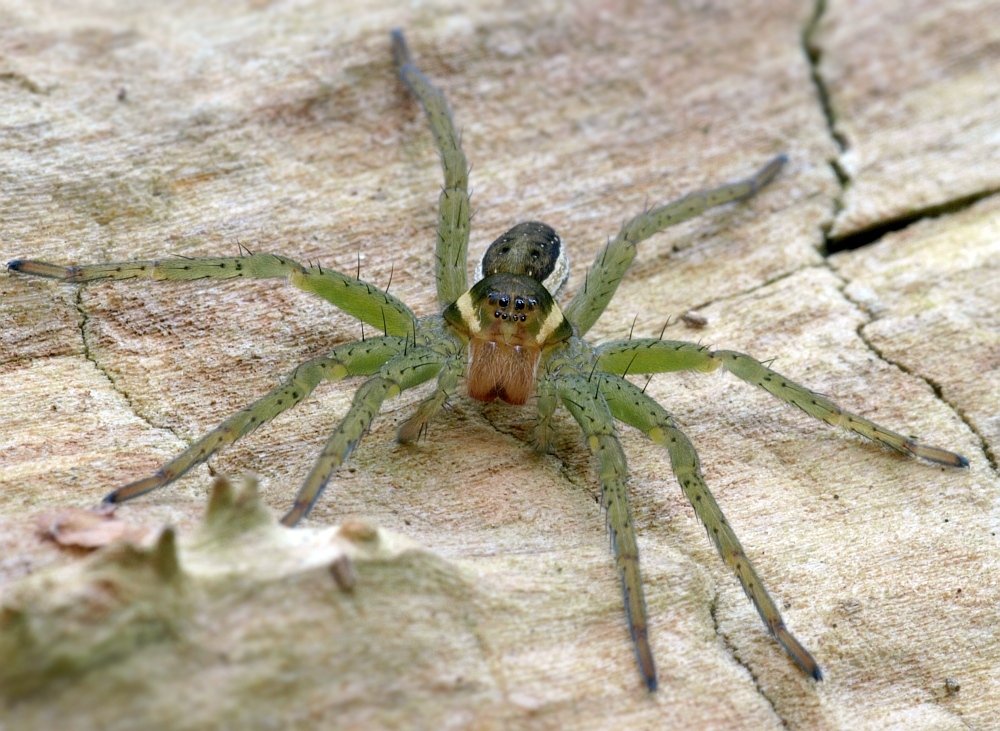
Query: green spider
509,340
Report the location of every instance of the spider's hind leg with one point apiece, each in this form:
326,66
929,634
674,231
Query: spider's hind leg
615,258
630,405
591,412
359,358
455,212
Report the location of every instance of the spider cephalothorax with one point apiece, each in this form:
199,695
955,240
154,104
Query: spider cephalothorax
508,319
510,339
509,316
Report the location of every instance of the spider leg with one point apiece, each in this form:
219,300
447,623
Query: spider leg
451,372
355,297
359,358
614,259
648,355
630,405
591,412
403,371
548,400
755,372
453,226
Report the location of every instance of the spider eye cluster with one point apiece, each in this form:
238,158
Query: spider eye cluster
503,301
510,308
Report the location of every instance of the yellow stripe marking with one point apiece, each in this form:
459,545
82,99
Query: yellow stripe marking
552,321
468,312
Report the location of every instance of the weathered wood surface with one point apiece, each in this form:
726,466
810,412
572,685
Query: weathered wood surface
148,130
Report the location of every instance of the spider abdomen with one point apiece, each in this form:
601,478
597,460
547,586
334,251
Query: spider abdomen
531,248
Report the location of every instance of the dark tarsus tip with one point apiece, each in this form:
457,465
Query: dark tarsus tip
14,265
771,170
651,684
817,674
109,499
400,53
953,460
286,518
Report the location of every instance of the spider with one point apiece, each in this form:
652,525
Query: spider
507,337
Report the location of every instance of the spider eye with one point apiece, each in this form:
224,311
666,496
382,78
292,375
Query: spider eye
504,301
519,303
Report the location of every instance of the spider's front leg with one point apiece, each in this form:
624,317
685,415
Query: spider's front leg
451,372
360,358
614,259
629,404
364,301
455,213
648,355
548,400
410,368
578,393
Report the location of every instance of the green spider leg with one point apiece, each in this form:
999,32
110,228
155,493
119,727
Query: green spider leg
455,213
648,355
403,371
548,401
562,377
352,359
401,360
448,381
358,298
614,259
629,404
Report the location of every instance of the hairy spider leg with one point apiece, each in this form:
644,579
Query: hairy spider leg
543,432
356,297
405,370
352,359
648,355
448,380
587,405
455,213
614,259
629,404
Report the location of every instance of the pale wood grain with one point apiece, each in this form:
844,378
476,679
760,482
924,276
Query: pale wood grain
134,131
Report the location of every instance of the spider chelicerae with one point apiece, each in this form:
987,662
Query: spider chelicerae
508,339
